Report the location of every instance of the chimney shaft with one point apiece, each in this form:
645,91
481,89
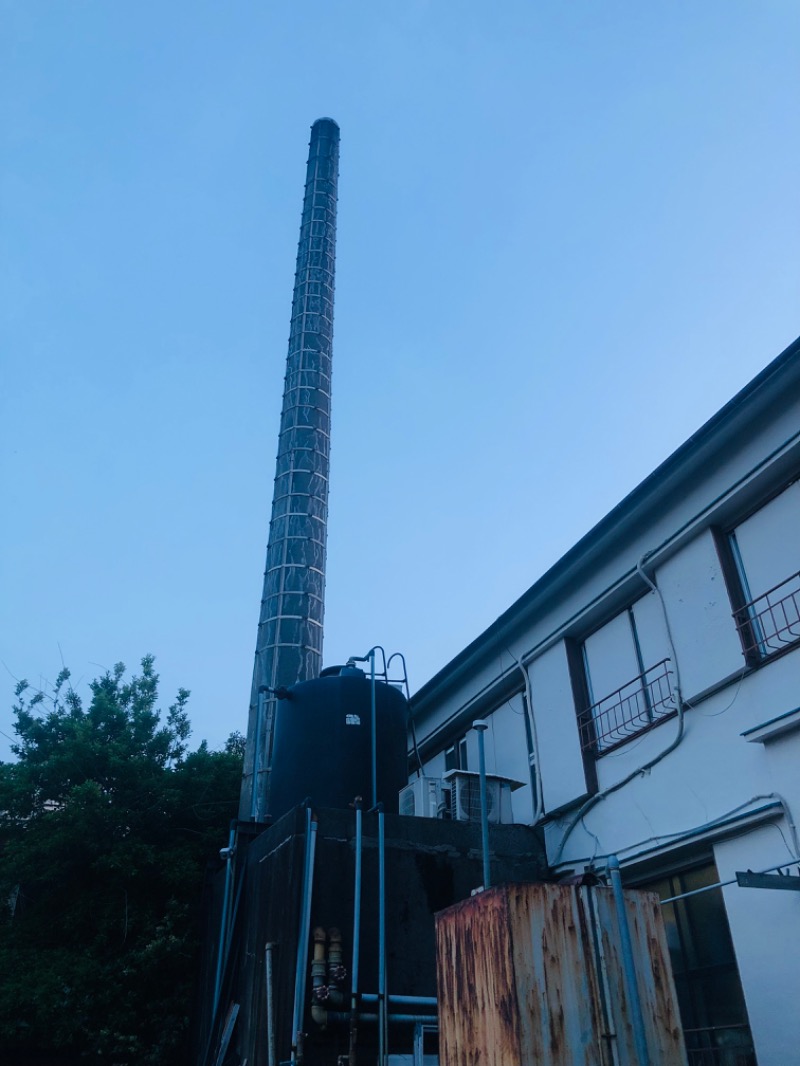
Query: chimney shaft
289,642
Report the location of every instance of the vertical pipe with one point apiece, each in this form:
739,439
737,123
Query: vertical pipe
480,728
381,940
223,923
356,935
268,949
628,965
302,937
374,727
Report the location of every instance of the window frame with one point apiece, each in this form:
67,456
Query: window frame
591,740
753,643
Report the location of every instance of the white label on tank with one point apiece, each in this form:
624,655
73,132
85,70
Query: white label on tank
352,719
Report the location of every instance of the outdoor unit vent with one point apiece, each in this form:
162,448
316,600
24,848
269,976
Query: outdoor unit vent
421,798
465,796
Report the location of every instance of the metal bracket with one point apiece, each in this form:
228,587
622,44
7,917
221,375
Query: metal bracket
788,882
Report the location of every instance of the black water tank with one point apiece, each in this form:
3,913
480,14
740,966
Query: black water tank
322,745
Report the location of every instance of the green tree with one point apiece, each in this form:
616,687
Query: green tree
107,823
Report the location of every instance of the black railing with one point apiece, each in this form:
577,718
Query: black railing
730,1045
632,709
771,622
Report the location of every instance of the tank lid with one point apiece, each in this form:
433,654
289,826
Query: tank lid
338,671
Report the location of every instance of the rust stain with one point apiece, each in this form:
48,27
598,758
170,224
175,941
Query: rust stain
520,980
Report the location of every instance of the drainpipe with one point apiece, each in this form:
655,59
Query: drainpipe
402,1001
268,950
406,1019
228,854
381,939
351,1058
629,968
480,728
374,728
302,938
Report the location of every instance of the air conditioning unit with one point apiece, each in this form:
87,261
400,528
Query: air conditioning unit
421,798
465,796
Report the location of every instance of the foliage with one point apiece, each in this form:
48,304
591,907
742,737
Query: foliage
107,823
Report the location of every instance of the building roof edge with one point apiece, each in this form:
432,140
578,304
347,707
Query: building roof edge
755,392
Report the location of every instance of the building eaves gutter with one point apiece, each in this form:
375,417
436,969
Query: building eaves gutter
774,381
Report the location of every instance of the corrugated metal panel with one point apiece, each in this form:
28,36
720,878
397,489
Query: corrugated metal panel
653,975
533,974
557,993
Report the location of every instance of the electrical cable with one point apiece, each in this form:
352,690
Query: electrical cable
666,838
538,792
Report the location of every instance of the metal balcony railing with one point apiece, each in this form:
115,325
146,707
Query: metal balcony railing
632,709
729,1045
771,622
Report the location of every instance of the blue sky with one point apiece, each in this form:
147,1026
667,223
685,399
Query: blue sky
567,235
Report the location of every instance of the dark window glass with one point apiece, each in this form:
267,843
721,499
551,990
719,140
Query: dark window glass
707,980
455,758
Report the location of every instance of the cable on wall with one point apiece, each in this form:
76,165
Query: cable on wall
645,767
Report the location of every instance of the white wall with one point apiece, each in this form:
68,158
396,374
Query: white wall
560,759
507,753
765,925
700,616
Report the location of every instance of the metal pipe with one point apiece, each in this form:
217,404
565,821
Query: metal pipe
628,965
356,936
374,728
319,965
302,938
223,924
381,940
402,1001
271,1057
608,1034
480,728
343,1016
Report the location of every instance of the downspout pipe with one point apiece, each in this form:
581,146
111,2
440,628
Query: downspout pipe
302,938
356,936
533,761
381,938
480,727
374,727
628,965
268,952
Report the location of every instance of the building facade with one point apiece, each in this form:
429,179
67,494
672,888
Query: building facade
646,693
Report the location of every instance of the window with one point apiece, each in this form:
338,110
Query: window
455,757
627,677
707,980
763,574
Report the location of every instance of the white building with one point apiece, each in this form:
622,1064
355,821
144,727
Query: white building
646,690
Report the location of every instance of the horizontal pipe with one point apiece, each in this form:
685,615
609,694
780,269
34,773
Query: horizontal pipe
411,1019
402,1001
